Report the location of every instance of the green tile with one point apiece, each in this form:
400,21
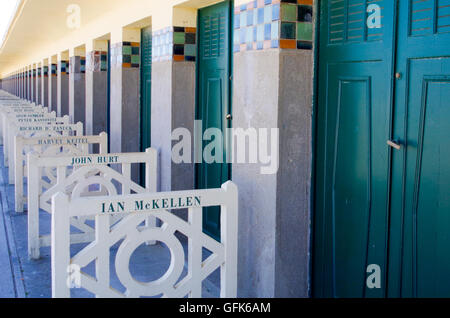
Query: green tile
304,31
178,38
126,50
288,12
190,50
287,30
135,59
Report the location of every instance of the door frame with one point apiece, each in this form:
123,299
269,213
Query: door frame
314,141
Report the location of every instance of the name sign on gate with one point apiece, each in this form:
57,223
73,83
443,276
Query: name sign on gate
92,160
66,141
37,120
46,128
185,201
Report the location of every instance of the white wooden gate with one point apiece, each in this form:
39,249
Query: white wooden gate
37,131
50,146
12,129
136,208
75,176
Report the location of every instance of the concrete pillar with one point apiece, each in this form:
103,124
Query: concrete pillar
53,83
33,83
173,97
63,84
20,82
39,84
96,87
125,87
272,88
44,83
24,83
29,83
77,86
31,97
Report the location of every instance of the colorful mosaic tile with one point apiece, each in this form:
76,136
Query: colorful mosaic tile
45,71
64,67
78,64
97,61
174,43
126,54
83,65
263,24
54,69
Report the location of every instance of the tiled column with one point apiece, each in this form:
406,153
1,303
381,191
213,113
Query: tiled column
24,83
63,85
20,83
272,88
53,84
96,87
44,83
34,84
77,87
31,97
38,84
29,83
173,97
125,87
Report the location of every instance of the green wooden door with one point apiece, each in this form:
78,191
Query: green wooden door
420,204
352,159
376,204
213,104
146,86
146,92
108,96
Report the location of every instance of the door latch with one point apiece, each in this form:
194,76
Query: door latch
394,144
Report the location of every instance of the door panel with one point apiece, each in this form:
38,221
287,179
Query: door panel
419,244
214,70
352,160
351,183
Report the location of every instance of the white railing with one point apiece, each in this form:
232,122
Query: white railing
135,209
81,176
49,146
